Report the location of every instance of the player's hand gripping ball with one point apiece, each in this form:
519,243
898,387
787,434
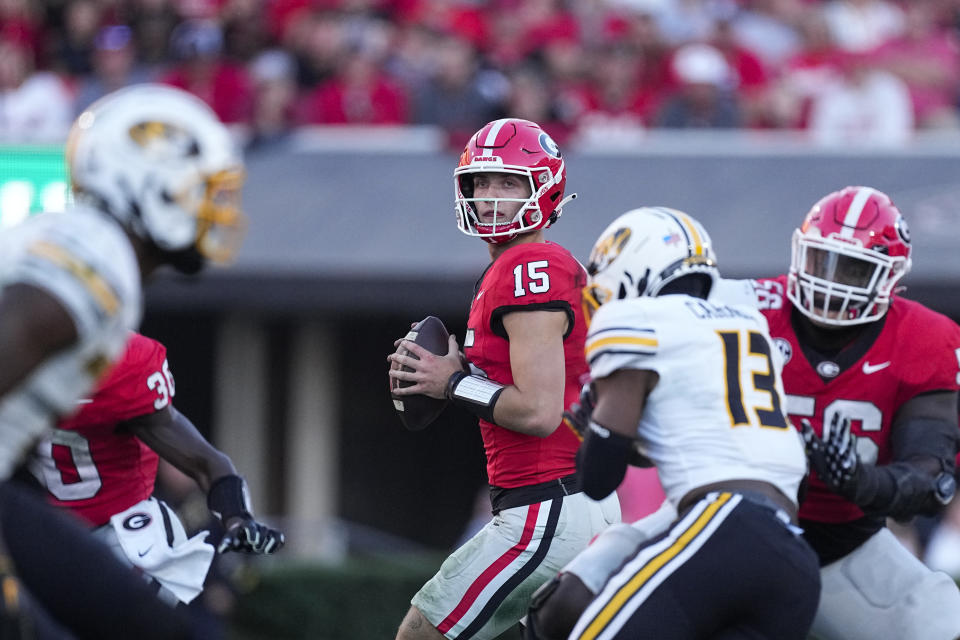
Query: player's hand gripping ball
418,411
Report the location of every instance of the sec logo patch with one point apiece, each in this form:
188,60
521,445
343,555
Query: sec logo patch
786,351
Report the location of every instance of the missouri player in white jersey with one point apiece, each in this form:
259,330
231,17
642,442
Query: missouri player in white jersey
156,180
697,386
86,263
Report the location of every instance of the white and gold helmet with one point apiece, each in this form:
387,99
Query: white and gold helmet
643,251
159,160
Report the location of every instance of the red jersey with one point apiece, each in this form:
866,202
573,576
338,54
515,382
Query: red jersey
528,277
88,465
914,350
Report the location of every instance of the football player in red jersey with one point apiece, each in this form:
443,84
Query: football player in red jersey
524,346
101,465
872,381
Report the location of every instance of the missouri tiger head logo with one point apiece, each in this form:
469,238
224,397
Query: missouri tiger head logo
607,249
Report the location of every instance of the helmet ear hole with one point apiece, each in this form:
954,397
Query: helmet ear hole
466,186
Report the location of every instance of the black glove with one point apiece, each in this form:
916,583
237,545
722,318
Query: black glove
246,534
577,418
835,460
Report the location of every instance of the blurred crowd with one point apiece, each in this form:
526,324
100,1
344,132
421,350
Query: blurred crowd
871,71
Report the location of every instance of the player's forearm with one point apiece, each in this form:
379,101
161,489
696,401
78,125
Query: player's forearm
211,467
535,415
900,490
924,448
536,412
175,439
602,460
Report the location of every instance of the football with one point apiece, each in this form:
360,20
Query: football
418,411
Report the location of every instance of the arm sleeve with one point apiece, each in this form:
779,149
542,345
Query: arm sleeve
923,449
602,460
933,360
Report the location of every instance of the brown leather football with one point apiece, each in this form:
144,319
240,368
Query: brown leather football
418,411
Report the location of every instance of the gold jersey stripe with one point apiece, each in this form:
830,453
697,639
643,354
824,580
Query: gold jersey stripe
101,290
621,340
627,591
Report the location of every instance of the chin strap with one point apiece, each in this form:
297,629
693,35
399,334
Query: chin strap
559,210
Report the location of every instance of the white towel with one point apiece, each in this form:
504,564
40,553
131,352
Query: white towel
181,565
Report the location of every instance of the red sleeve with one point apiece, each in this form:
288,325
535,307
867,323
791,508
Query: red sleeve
934,356
534,277
139,384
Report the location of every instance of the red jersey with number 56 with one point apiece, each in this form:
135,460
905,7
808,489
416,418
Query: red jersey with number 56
912,350
533,276
91,467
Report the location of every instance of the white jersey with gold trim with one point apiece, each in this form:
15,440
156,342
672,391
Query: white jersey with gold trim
84,260
717,411
735,292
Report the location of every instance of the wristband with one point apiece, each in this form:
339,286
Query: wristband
228,497
476,394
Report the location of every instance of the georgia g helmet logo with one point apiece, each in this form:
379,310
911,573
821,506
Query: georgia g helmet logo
903,229
549,146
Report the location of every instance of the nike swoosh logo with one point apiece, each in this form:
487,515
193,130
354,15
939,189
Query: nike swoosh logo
873,368
145,551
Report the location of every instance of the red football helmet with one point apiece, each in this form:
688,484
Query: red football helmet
519,147
849,254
